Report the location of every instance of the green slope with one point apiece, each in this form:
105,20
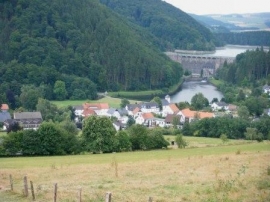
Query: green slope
82,43
174,28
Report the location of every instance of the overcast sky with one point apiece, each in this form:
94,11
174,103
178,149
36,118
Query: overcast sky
202,7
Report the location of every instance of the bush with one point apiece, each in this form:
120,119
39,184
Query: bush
181,143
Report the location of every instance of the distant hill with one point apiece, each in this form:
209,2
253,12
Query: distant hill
244,22
213,24
174,28
83,43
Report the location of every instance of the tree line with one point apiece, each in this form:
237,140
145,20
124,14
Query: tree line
254,38
233,128
98,136
248,68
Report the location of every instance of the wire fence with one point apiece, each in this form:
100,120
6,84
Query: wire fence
36,192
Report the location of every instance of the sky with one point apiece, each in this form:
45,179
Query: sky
202,7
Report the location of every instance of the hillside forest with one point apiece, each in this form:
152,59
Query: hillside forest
80,47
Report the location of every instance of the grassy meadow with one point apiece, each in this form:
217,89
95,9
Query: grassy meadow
235,171
113,102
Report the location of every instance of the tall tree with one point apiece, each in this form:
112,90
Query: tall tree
29,96
198,101
59,90
98,134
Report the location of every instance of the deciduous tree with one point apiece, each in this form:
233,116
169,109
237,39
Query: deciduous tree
98,134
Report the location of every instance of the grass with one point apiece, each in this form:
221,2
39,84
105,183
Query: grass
113,102
193,174
216,82
2,134
149,94
194,142
137,93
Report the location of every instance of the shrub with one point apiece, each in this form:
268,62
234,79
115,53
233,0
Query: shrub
181,143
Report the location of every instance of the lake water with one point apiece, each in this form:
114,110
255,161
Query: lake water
231,50
189,89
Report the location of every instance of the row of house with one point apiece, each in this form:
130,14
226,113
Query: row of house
145,113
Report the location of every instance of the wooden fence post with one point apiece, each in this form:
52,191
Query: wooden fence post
80,195
32,190
108,197
11,182
150,199
55,192
25,186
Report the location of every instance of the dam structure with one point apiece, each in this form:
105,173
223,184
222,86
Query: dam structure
199,63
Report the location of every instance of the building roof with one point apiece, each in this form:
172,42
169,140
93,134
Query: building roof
96,106
147,116
164,102
136,110
232,107
88,112
123,112
27,115
221,104
4,107
131,107
4,116
192,114
111,111
149,105
266,87
169,118
174,108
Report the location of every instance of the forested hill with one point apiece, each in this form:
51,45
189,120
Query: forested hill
174,28
249,68
82,43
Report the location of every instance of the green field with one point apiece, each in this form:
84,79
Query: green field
218,173
194,142
147,94
215,82
135,93
2,134
113,102
128,157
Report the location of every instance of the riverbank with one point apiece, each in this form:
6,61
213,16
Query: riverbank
149,94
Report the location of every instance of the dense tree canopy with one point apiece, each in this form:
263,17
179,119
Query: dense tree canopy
257,38
173,28
199,102
248,68
81,43
98,134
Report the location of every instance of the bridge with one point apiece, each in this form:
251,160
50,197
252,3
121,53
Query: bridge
198,64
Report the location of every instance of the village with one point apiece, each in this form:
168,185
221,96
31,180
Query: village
149,114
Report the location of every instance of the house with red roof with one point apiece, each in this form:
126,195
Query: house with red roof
4,107
171,108
143,117
188,115
99,109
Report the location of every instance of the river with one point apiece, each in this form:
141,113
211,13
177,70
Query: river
189,89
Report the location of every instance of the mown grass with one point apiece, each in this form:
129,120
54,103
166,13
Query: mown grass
113,102
194,174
